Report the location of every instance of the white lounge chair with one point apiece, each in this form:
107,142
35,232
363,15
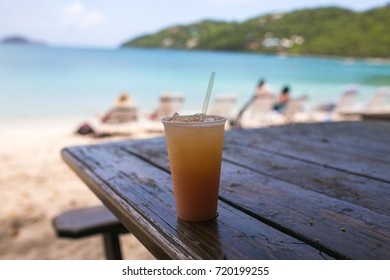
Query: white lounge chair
223,106
345,108
120,119
260,113
123,121
295,110
378,102
168,105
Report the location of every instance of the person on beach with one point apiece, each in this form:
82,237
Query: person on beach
282,99
123,110
261,90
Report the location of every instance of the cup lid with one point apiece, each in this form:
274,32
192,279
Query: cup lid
194,120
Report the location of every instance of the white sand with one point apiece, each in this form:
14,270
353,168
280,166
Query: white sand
36,185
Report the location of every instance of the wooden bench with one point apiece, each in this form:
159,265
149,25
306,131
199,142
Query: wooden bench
84,222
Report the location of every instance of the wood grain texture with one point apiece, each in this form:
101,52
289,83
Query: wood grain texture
369,162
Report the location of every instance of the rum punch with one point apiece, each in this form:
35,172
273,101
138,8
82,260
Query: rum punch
194,146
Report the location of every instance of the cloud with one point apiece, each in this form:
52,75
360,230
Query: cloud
78,16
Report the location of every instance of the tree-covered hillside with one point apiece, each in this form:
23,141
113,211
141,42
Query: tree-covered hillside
321,31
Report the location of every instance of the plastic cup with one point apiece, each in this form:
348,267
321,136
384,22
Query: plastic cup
195,155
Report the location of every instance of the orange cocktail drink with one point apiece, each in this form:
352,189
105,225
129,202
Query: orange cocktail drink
195,153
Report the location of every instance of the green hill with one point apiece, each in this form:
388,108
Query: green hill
321,31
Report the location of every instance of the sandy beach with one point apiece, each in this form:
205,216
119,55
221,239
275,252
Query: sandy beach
36,185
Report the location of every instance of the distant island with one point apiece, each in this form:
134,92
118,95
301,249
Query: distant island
20,40
330,31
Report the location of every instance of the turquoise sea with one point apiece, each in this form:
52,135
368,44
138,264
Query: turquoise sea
39,82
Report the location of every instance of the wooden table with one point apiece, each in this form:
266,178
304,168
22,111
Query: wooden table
311,191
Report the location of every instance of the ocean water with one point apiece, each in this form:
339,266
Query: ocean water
42,82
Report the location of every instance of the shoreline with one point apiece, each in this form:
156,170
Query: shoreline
376,60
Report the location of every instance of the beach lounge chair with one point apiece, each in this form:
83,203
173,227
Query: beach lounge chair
346,107
168,105
223,106
343,109
350,111
120,115
378,106
295,110
121,119
260,112
378,102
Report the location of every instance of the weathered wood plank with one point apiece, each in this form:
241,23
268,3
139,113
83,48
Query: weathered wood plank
351,141
339,225
377,133
141,196
381,124
369,193
378,130
342,134
344,229
359,190
354,160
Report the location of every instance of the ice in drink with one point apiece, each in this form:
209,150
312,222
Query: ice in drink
195,153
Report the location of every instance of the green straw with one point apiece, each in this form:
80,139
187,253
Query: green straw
208,93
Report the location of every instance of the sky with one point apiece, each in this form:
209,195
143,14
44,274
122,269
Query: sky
108,23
